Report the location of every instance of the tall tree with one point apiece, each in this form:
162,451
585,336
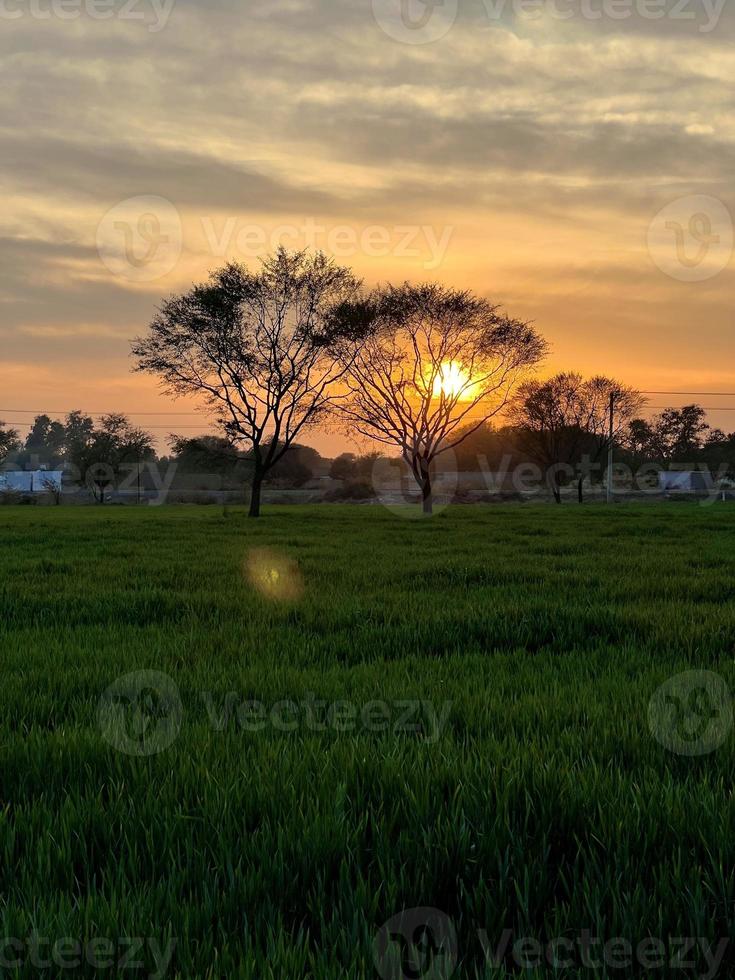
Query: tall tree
675,435
262,348
77,428
45,441
435,365
566,418
680,432
100,456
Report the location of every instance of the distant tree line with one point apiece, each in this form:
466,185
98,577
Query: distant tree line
94,454
424,372
675,438
97,455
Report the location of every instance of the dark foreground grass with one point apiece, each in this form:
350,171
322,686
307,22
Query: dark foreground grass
545,806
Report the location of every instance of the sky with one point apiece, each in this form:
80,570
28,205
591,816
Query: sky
571,160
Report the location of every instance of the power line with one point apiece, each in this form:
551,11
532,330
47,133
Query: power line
469,419
36,411
194,414
698,394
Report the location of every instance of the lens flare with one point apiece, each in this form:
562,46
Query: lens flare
274,575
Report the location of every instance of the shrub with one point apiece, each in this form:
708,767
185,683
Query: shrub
356,490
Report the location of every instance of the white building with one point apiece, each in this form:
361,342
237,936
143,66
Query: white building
30,481
686,481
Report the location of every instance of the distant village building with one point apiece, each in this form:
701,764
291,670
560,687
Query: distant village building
30,481
686,481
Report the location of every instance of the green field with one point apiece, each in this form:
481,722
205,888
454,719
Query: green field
544,805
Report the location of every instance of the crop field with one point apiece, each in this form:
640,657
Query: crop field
237,749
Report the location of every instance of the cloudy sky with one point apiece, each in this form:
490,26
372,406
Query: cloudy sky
573,160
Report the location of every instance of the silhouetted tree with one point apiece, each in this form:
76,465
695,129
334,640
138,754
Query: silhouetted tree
77,428
344,467
718,453
354,469
296,467
45,442
205,454
567,418
436,364
100,455
262,348
491,449
9,442
675,435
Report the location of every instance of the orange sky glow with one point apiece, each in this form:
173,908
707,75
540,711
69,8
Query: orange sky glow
577,172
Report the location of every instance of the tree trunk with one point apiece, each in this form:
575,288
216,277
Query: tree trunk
553,481
426,495
255,495
580,490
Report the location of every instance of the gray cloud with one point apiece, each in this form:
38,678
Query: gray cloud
270,110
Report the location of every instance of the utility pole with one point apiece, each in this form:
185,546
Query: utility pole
610,448
138,478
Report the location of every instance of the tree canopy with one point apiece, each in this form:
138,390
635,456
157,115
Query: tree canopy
262,349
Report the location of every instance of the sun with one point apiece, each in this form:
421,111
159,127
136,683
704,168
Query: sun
452,381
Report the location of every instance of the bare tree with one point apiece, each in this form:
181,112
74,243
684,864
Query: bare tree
98,455
607,407
546,417
559,420
435,365
53,488
262,348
